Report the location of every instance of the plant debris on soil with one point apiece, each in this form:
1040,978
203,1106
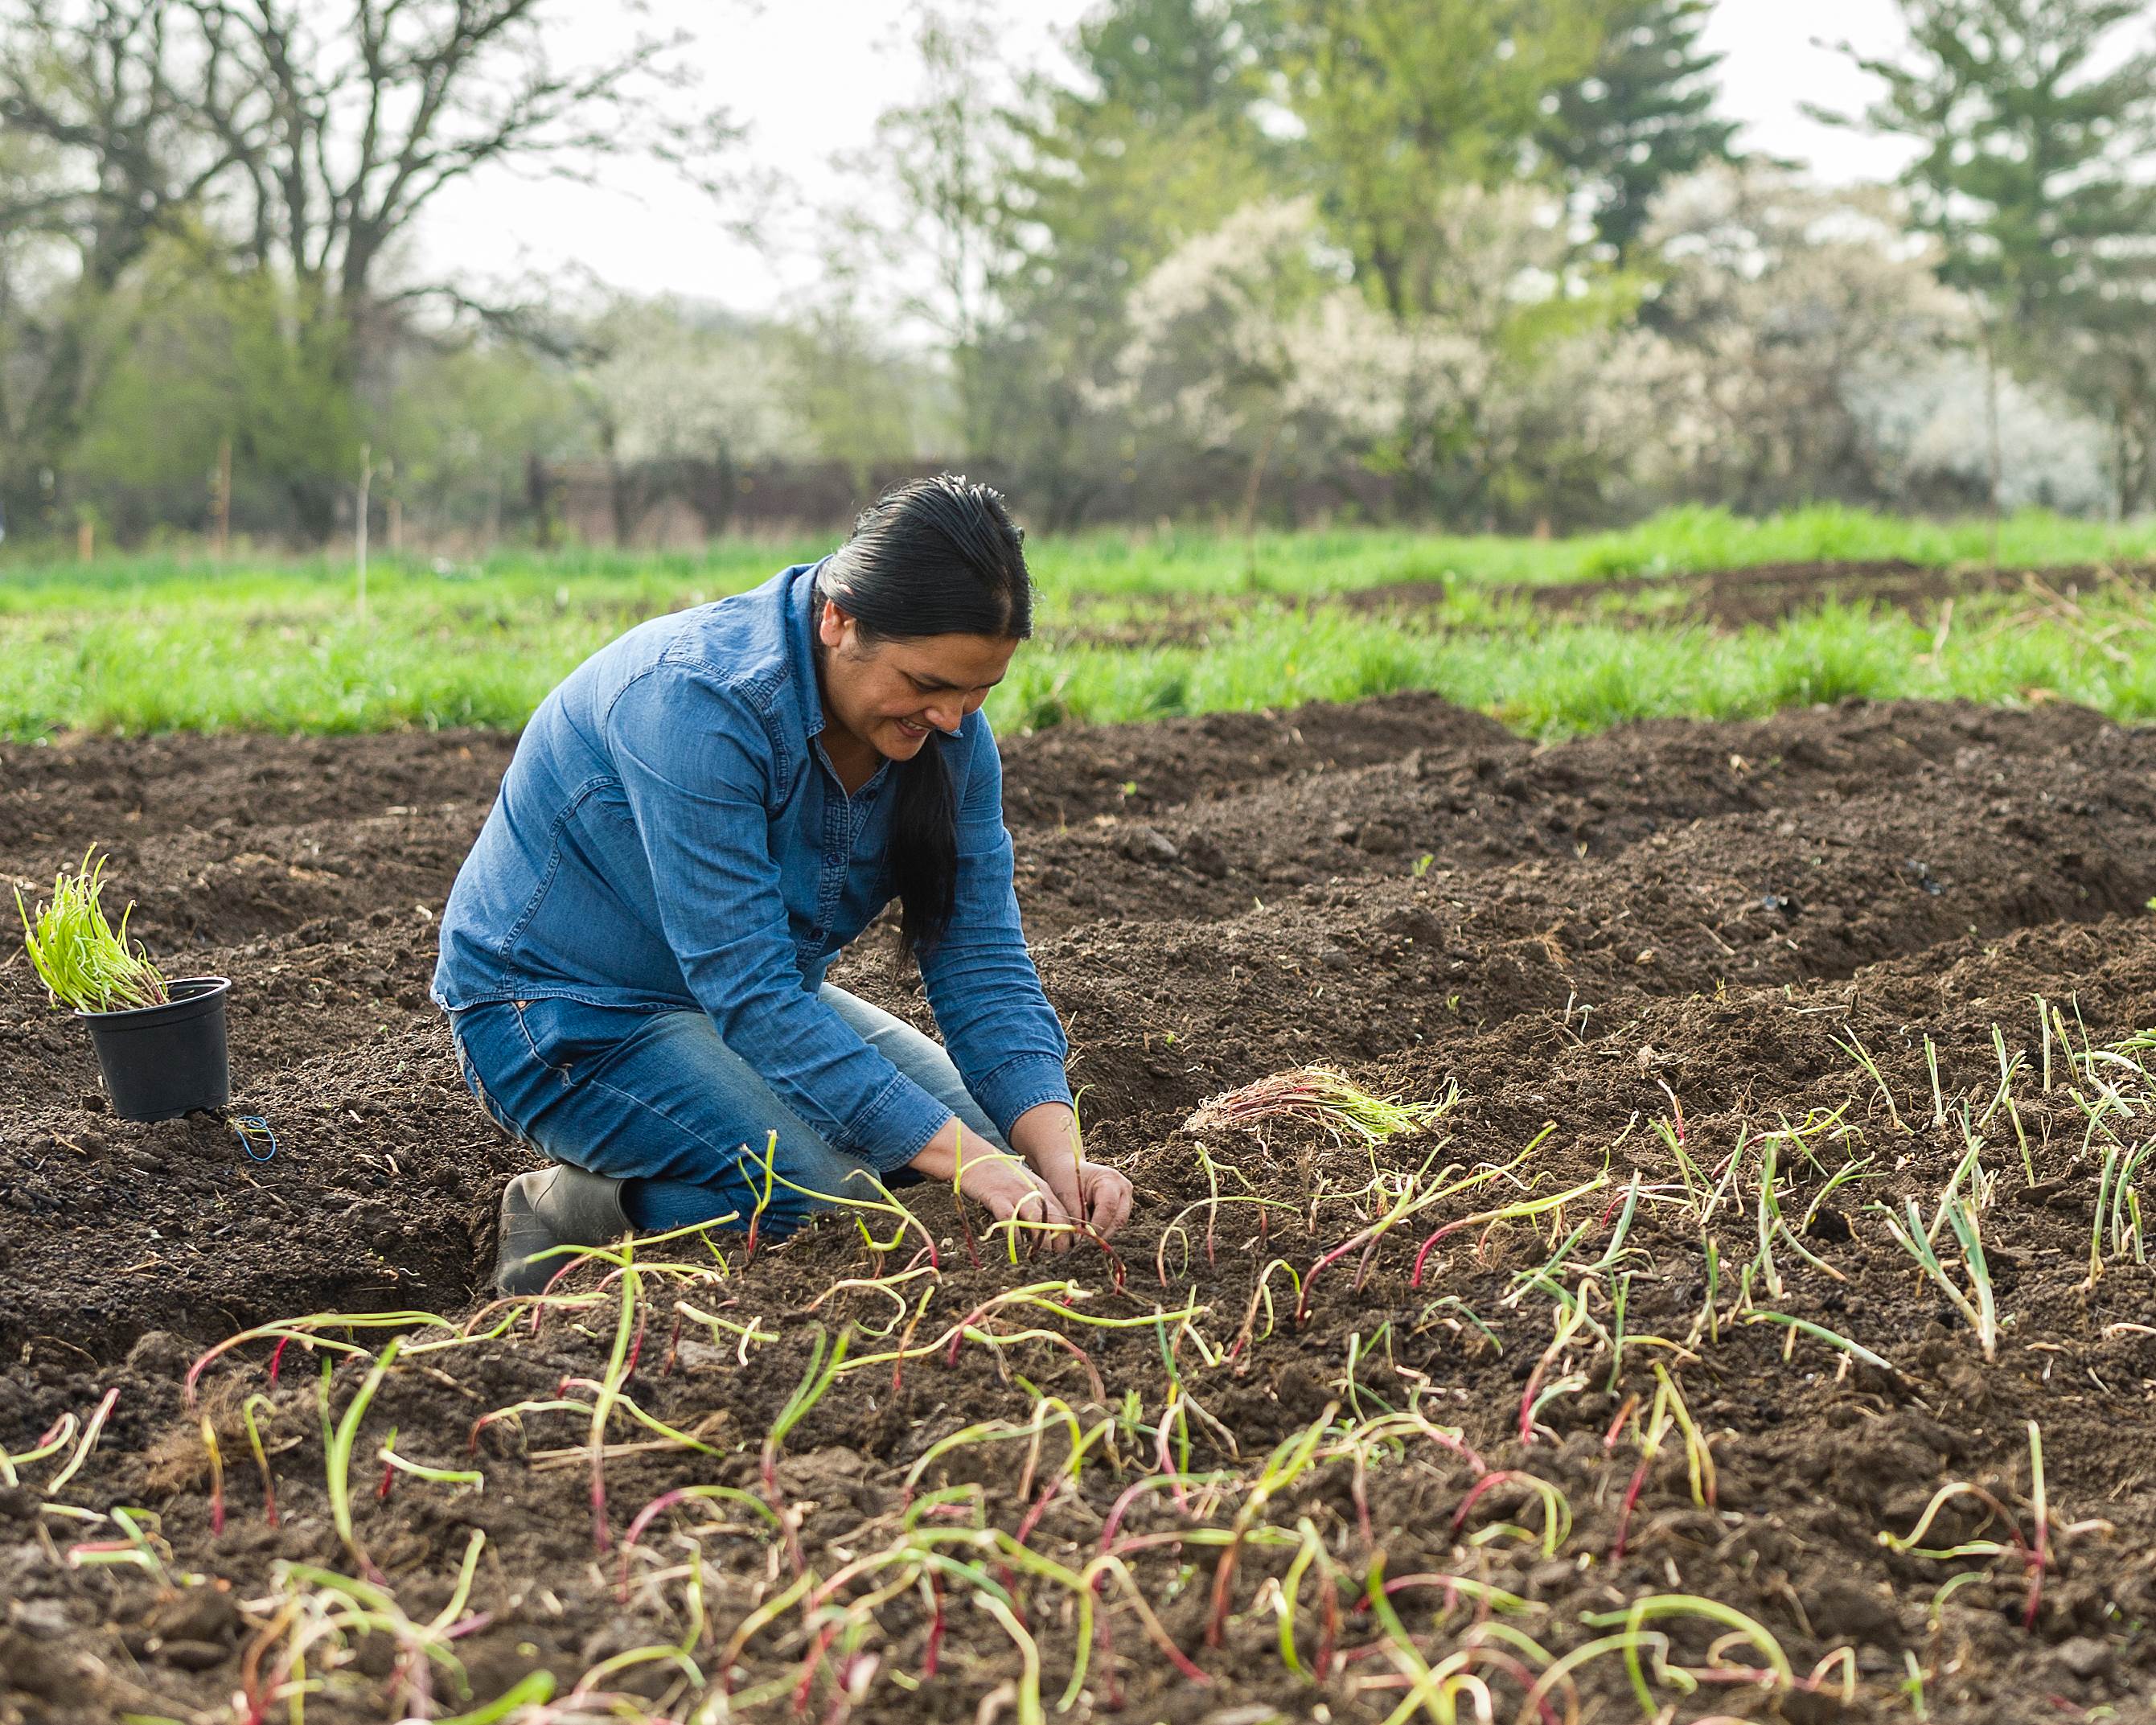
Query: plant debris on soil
1726,1298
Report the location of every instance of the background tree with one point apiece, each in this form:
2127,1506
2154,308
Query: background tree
1642,116
2034,132
302,140
940,163
1402,99
103,153
1157,141
1782,306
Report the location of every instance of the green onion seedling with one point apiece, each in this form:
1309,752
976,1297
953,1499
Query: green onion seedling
1980,1312
58,1436
337,1460
823,1367
84,961
1777,1674
1856,1051
89,1436
216,1476
261,1455
1289,1458
1820,1332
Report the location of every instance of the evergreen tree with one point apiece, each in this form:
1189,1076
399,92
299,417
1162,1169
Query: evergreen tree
2033,151
1642,116
1164,62
2035,136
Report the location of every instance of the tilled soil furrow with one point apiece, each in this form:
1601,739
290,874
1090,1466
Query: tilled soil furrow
1673,935
1483,809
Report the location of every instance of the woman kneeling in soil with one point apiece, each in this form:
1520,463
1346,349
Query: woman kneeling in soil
695,822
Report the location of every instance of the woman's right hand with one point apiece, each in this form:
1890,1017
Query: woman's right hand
1010,1190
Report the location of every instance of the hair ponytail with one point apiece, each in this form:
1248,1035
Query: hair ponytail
931,558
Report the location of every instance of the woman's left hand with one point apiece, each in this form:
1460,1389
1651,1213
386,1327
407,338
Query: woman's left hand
1092,1192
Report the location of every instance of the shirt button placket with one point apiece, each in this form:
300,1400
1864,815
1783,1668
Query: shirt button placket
837,817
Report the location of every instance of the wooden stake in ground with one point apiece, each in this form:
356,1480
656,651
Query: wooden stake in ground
359,527
223,484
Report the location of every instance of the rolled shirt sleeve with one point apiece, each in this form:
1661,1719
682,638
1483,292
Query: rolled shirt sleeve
689,756
1000,1029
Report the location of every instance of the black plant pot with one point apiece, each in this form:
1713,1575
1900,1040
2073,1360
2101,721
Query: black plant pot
161,1062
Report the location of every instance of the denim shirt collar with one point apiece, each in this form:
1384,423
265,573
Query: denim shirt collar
800,612
800,609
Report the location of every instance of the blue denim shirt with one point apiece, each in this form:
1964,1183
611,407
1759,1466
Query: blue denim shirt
672,835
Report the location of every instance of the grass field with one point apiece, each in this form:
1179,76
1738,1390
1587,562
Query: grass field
1133,627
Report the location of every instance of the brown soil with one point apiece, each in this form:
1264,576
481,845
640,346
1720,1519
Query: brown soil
1669,925
1766,593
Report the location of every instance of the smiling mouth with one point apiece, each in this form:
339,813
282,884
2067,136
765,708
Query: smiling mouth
911,729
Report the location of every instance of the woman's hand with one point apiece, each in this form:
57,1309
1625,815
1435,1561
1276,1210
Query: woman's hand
1090,1192
1011,1191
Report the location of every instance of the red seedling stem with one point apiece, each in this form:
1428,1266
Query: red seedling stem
1358,1490
1040,1508
817,1649
1496,1477
1104,1647
2038,1559
1116,1515
1528,1396
965,1228
1369,1236
928,1658
1631,1501
1328,1628
905,1346
1422,1257
1118,1273
645,1518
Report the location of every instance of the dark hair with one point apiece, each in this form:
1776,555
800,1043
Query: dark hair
933,556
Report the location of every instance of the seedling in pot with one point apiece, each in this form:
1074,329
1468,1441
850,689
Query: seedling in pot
85,962
161,1045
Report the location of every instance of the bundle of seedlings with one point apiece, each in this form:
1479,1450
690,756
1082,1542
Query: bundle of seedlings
161,1045
1322,1094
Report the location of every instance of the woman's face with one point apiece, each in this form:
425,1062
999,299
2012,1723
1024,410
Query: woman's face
890,694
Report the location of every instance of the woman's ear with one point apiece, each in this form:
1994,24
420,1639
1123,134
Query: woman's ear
833,627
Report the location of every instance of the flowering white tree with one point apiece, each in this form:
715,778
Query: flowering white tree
668,384
679,401
1255,337
1783,309
1927,426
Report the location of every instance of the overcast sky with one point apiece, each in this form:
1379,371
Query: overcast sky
809,78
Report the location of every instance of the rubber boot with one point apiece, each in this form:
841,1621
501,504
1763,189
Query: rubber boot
555,1206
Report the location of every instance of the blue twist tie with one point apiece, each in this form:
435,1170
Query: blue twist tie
250,1127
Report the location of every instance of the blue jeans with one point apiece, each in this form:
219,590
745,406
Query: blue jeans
657,1100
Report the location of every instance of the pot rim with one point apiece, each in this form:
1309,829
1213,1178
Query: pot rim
199,988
